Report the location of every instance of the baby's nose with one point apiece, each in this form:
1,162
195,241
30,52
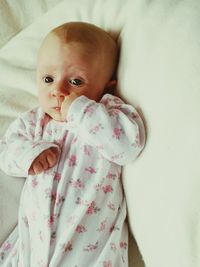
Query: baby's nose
60,91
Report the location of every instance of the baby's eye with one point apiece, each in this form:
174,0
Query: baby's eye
48,79
76,82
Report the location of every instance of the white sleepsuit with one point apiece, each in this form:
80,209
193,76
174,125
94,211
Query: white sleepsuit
72,215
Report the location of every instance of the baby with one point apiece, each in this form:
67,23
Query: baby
71,149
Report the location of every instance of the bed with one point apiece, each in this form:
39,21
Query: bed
159,74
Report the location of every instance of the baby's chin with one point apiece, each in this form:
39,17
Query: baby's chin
55,116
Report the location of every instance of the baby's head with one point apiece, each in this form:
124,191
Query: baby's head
75,57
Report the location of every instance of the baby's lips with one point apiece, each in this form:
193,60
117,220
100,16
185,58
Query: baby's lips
57,108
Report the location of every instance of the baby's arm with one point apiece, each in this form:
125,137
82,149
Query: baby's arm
113,127
19,148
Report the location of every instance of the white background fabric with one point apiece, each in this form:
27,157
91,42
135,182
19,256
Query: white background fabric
159,74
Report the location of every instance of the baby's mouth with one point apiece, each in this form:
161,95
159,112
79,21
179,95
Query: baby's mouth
57,109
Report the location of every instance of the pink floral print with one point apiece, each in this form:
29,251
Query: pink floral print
123,245
57,176
111,176
87,150
107,263
92,208
67,247
89,111
72,161
102,226
6,246
34,182
111,206
113,246
81,229
77,183
95,129
91,170
107,189
117,132
73,213
91,247
57,198
51,220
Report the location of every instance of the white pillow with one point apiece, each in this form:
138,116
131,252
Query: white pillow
160,73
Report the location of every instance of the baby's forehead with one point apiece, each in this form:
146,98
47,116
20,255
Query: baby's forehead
88,40
57,45
85,34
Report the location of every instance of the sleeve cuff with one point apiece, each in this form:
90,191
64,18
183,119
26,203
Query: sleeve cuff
78,108
28,157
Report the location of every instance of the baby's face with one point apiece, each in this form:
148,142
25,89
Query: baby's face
66,68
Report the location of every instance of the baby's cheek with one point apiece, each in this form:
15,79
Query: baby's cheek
43,100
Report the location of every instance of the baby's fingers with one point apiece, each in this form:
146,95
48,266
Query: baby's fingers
52,156
37,167
31,172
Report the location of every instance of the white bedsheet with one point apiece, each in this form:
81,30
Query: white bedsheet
159,74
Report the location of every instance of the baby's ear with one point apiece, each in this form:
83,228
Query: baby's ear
110,87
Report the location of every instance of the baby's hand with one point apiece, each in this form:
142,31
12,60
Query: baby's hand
47,159
66,104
